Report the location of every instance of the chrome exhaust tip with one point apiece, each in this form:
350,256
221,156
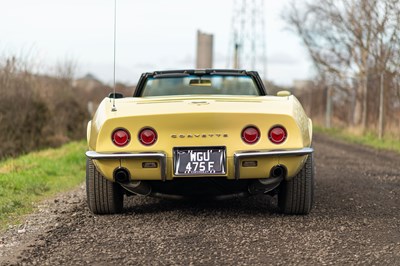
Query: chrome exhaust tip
278,171
121,175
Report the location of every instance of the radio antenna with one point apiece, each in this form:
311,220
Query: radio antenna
115,53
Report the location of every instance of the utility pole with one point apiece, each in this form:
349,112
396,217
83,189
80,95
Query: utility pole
236,63
381,96
328,111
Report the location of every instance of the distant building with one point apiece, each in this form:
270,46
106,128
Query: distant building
88,83
205,43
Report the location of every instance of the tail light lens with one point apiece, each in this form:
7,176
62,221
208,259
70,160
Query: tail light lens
250,135
277,134
147,136
120,137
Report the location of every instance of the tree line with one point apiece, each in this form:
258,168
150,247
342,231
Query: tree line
40,110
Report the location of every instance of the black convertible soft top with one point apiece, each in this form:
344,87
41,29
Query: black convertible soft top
198,72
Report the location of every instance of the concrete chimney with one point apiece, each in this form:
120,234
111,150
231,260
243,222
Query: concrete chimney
204,50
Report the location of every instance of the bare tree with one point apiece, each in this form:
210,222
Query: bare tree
345,38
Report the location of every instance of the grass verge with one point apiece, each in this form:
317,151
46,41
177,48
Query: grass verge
26,180
368,139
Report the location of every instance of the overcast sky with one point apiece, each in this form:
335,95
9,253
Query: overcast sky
151,35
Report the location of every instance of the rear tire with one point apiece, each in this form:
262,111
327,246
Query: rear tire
103,196
297,195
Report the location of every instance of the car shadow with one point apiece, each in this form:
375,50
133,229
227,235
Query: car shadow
260,204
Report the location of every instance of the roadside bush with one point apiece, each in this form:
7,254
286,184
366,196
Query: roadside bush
37,111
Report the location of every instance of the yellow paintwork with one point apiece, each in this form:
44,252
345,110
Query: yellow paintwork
199,115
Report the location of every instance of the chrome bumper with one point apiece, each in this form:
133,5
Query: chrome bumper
161,157
275,153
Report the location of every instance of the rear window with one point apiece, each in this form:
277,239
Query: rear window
205,84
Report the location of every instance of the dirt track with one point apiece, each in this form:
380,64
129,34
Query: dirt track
356,220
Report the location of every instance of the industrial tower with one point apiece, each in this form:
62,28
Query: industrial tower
205,43
247,49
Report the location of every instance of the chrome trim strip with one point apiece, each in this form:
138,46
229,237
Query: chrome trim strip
271,153
156,155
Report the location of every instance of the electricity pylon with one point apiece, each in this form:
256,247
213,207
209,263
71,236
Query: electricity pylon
247,48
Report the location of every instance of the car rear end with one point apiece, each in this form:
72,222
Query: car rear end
200,133
225,137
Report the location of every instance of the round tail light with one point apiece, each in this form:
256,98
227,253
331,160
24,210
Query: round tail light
277,134
250,135
120,137
147,136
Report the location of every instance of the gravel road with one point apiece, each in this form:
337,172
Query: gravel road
356,220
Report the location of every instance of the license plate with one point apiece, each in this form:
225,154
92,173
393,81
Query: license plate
199,161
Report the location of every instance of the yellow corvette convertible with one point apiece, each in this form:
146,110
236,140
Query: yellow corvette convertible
200,133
